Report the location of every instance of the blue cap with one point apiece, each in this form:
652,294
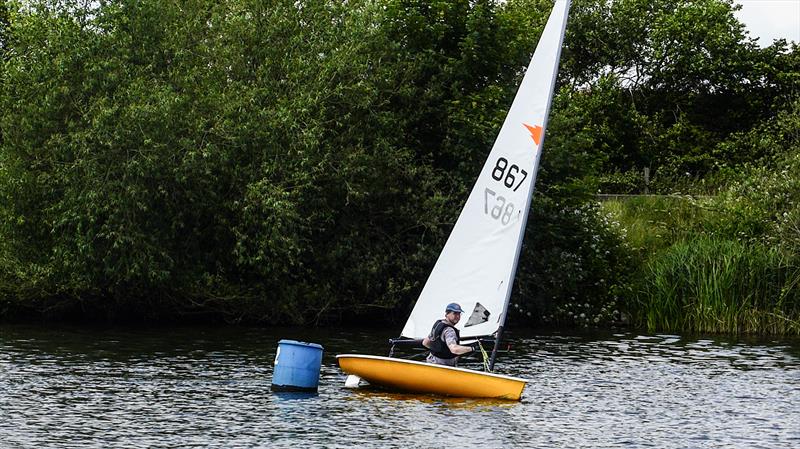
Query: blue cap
453,307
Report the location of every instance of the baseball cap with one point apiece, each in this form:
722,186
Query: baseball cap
453,307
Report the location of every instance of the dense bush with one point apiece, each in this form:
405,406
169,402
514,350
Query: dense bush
304,162
246,160
207,156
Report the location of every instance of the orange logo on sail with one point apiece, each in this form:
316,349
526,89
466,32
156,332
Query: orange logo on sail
536,132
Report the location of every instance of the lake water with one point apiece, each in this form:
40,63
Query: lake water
207,387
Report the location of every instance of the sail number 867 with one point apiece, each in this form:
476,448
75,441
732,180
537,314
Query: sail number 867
508,174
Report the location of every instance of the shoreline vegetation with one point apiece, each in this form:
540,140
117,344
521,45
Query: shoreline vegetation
694,277
304,163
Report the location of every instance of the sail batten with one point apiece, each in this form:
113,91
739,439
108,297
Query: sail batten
477,266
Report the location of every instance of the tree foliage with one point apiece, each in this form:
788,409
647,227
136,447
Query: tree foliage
304,161
665,82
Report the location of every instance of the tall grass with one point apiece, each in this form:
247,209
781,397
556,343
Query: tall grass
697,276
706,284
653,223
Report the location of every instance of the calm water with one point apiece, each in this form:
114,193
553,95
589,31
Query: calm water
202,387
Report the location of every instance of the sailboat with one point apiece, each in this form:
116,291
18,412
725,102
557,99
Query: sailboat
477,265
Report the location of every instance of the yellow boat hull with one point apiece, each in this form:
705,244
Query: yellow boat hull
420,377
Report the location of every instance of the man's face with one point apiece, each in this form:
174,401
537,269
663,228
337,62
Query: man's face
453,317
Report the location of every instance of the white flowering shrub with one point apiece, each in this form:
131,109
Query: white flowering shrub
573,266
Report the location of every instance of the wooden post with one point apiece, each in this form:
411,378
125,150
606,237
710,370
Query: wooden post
646,180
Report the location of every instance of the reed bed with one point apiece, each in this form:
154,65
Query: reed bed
705,284
695,277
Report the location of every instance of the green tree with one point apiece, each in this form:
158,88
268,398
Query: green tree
675,79
4,27
305,162
227,157
4,32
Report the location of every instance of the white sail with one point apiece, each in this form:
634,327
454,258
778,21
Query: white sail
477,265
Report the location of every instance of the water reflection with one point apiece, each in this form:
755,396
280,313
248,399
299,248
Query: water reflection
204,387
374,394
294,395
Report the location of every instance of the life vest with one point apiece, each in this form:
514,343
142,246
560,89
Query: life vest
438,345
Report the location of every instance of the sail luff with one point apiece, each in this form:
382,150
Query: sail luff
531,189
532,185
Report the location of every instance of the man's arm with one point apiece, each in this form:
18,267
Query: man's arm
459,349
452,343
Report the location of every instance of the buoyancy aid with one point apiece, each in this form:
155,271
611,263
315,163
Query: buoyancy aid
438,345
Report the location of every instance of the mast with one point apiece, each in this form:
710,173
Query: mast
531,189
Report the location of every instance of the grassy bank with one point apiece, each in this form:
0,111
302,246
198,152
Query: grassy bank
694,278
654,223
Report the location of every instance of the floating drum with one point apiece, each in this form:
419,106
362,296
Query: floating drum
297,366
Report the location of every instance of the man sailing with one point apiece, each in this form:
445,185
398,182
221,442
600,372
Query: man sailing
444,337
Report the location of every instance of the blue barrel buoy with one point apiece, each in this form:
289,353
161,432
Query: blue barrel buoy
297,366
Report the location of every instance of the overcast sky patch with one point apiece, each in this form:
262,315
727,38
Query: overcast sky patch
771,19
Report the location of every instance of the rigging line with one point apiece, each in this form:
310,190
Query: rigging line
485,357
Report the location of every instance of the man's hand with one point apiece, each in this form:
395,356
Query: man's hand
426,342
